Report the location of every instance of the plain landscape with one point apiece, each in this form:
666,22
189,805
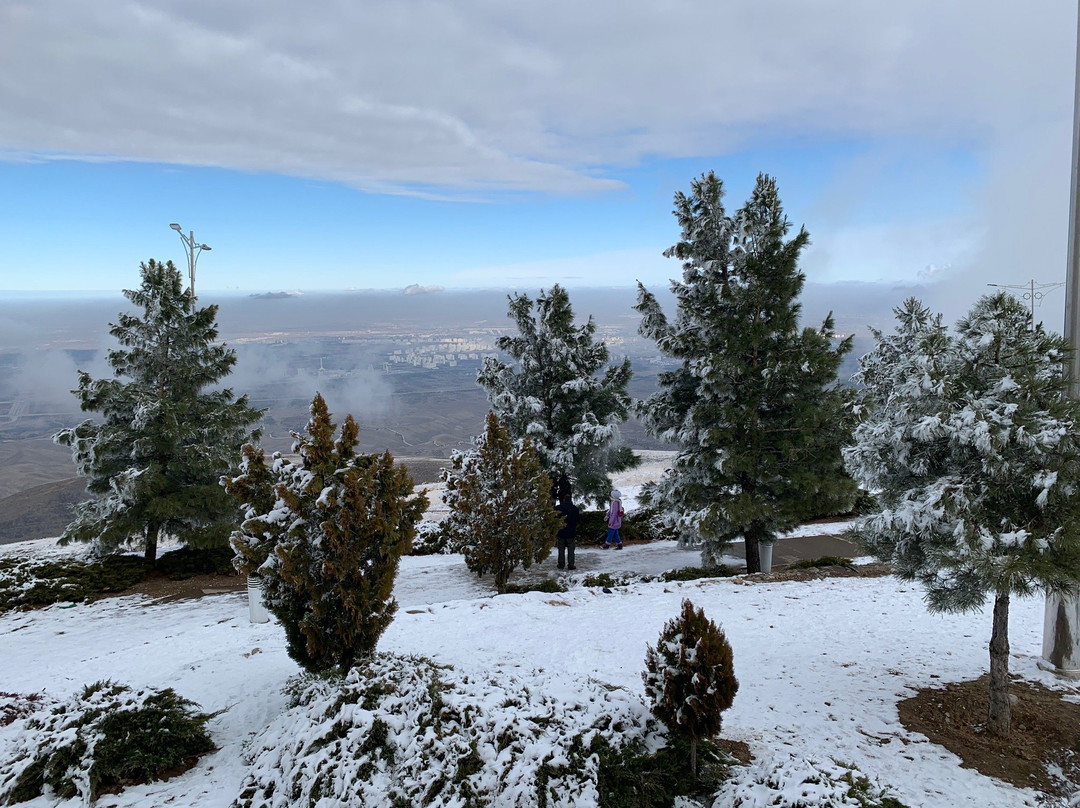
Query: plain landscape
403,365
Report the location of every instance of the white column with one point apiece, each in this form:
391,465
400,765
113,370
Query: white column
1061,620
256,607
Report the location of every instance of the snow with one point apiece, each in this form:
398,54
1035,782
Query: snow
821,665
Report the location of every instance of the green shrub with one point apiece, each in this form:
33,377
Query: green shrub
823,561
592,529
602,579
187,562
549,585
430,539
695,573
629,777
106,737
29,582
423,734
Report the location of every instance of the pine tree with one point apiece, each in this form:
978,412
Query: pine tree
501,511
974,449
754,408
326,535
558,397
153,460
690,677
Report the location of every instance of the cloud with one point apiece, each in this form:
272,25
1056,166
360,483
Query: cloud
443,99
277,373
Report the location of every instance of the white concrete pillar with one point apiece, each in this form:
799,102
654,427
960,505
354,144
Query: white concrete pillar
256,608
1061,629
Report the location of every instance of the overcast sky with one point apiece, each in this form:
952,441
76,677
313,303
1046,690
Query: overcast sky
378,144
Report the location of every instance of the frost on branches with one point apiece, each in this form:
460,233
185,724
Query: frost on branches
971,445
558,396
501,511
754,408
153,460
690,677
326,536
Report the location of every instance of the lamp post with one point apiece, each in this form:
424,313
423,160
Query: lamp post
193,249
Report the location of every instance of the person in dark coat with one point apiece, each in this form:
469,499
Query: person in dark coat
566,538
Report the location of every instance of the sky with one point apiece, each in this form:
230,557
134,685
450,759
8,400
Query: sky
484,144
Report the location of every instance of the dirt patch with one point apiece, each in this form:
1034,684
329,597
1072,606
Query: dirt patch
1045,732
737,749
161,589
817,573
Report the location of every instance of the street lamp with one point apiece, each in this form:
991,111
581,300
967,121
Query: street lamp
193,250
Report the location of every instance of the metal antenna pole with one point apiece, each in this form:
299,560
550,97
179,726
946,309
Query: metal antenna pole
1035,292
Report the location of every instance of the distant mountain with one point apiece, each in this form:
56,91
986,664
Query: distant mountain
272,296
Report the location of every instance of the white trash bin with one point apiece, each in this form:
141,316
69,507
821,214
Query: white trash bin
765,556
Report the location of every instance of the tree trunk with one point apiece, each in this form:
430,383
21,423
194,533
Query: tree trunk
693,757
1000,716
150,554
751,540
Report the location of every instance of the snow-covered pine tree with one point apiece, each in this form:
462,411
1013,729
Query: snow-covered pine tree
974,450
754,409
326,535
557,395
501,511
153,460
690,677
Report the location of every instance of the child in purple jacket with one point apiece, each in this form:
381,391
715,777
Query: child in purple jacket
615,516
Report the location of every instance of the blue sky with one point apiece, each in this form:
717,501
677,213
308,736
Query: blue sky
374,145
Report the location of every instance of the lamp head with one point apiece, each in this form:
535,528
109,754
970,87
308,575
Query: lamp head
175,227
204,246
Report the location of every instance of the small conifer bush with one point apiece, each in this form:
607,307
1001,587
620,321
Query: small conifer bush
501,512
326,536
690,677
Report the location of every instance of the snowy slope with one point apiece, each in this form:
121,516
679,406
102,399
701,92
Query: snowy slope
821,663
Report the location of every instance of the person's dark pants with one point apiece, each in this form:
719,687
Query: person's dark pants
566,552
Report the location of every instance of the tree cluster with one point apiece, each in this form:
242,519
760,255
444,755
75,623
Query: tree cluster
501,512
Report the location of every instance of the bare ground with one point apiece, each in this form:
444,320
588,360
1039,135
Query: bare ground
1045,732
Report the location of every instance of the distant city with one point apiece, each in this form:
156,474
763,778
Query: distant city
403,365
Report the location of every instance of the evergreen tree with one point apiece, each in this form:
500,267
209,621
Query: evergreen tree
326,535
501,511
690,677
558,397
754,408
974,449
153,460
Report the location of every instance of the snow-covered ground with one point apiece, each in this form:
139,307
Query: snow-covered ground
821,664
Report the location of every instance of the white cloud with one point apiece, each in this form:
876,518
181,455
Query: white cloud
479,95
